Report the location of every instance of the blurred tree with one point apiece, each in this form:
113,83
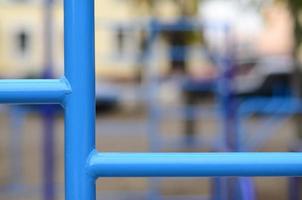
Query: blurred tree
187,7
143,5
295,7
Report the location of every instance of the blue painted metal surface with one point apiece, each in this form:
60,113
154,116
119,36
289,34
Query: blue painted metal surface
194,164
33,91
16,122
48,111
80,104
48,141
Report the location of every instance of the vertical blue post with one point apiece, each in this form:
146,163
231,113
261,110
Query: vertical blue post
237,187
16,124
48,140
48,111
80,104
153,108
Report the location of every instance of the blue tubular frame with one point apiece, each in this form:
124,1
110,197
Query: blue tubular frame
33,91
80,104
77,94
194,164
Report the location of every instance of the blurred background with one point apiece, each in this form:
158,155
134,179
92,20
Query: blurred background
171,75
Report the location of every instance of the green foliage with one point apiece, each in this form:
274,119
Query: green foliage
188,8
295,7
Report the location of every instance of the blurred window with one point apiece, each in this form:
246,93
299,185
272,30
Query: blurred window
22,42
120,40
21,1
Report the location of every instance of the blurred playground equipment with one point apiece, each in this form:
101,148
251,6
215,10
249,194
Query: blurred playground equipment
232,89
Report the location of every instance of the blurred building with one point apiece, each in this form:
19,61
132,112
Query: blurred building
21,38
22,35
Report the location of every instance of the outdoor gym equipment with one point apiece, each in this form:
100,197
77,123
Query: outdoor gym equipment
83,163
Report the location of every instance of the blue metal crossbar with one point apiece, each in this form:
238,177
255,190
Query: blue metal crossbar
194,164
34,91
76,92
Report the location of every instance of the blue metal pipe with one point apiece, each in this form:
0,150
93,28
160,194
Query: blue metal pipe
48,141
263,105
80,104
194,164
22,91
48,111
15,145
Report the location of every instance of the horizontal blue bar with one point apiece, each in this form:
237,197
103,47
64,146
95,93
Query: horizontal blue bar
25,91
271,105
194,164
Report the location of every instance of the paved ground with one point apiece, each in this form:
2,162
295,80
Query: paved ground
128,132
